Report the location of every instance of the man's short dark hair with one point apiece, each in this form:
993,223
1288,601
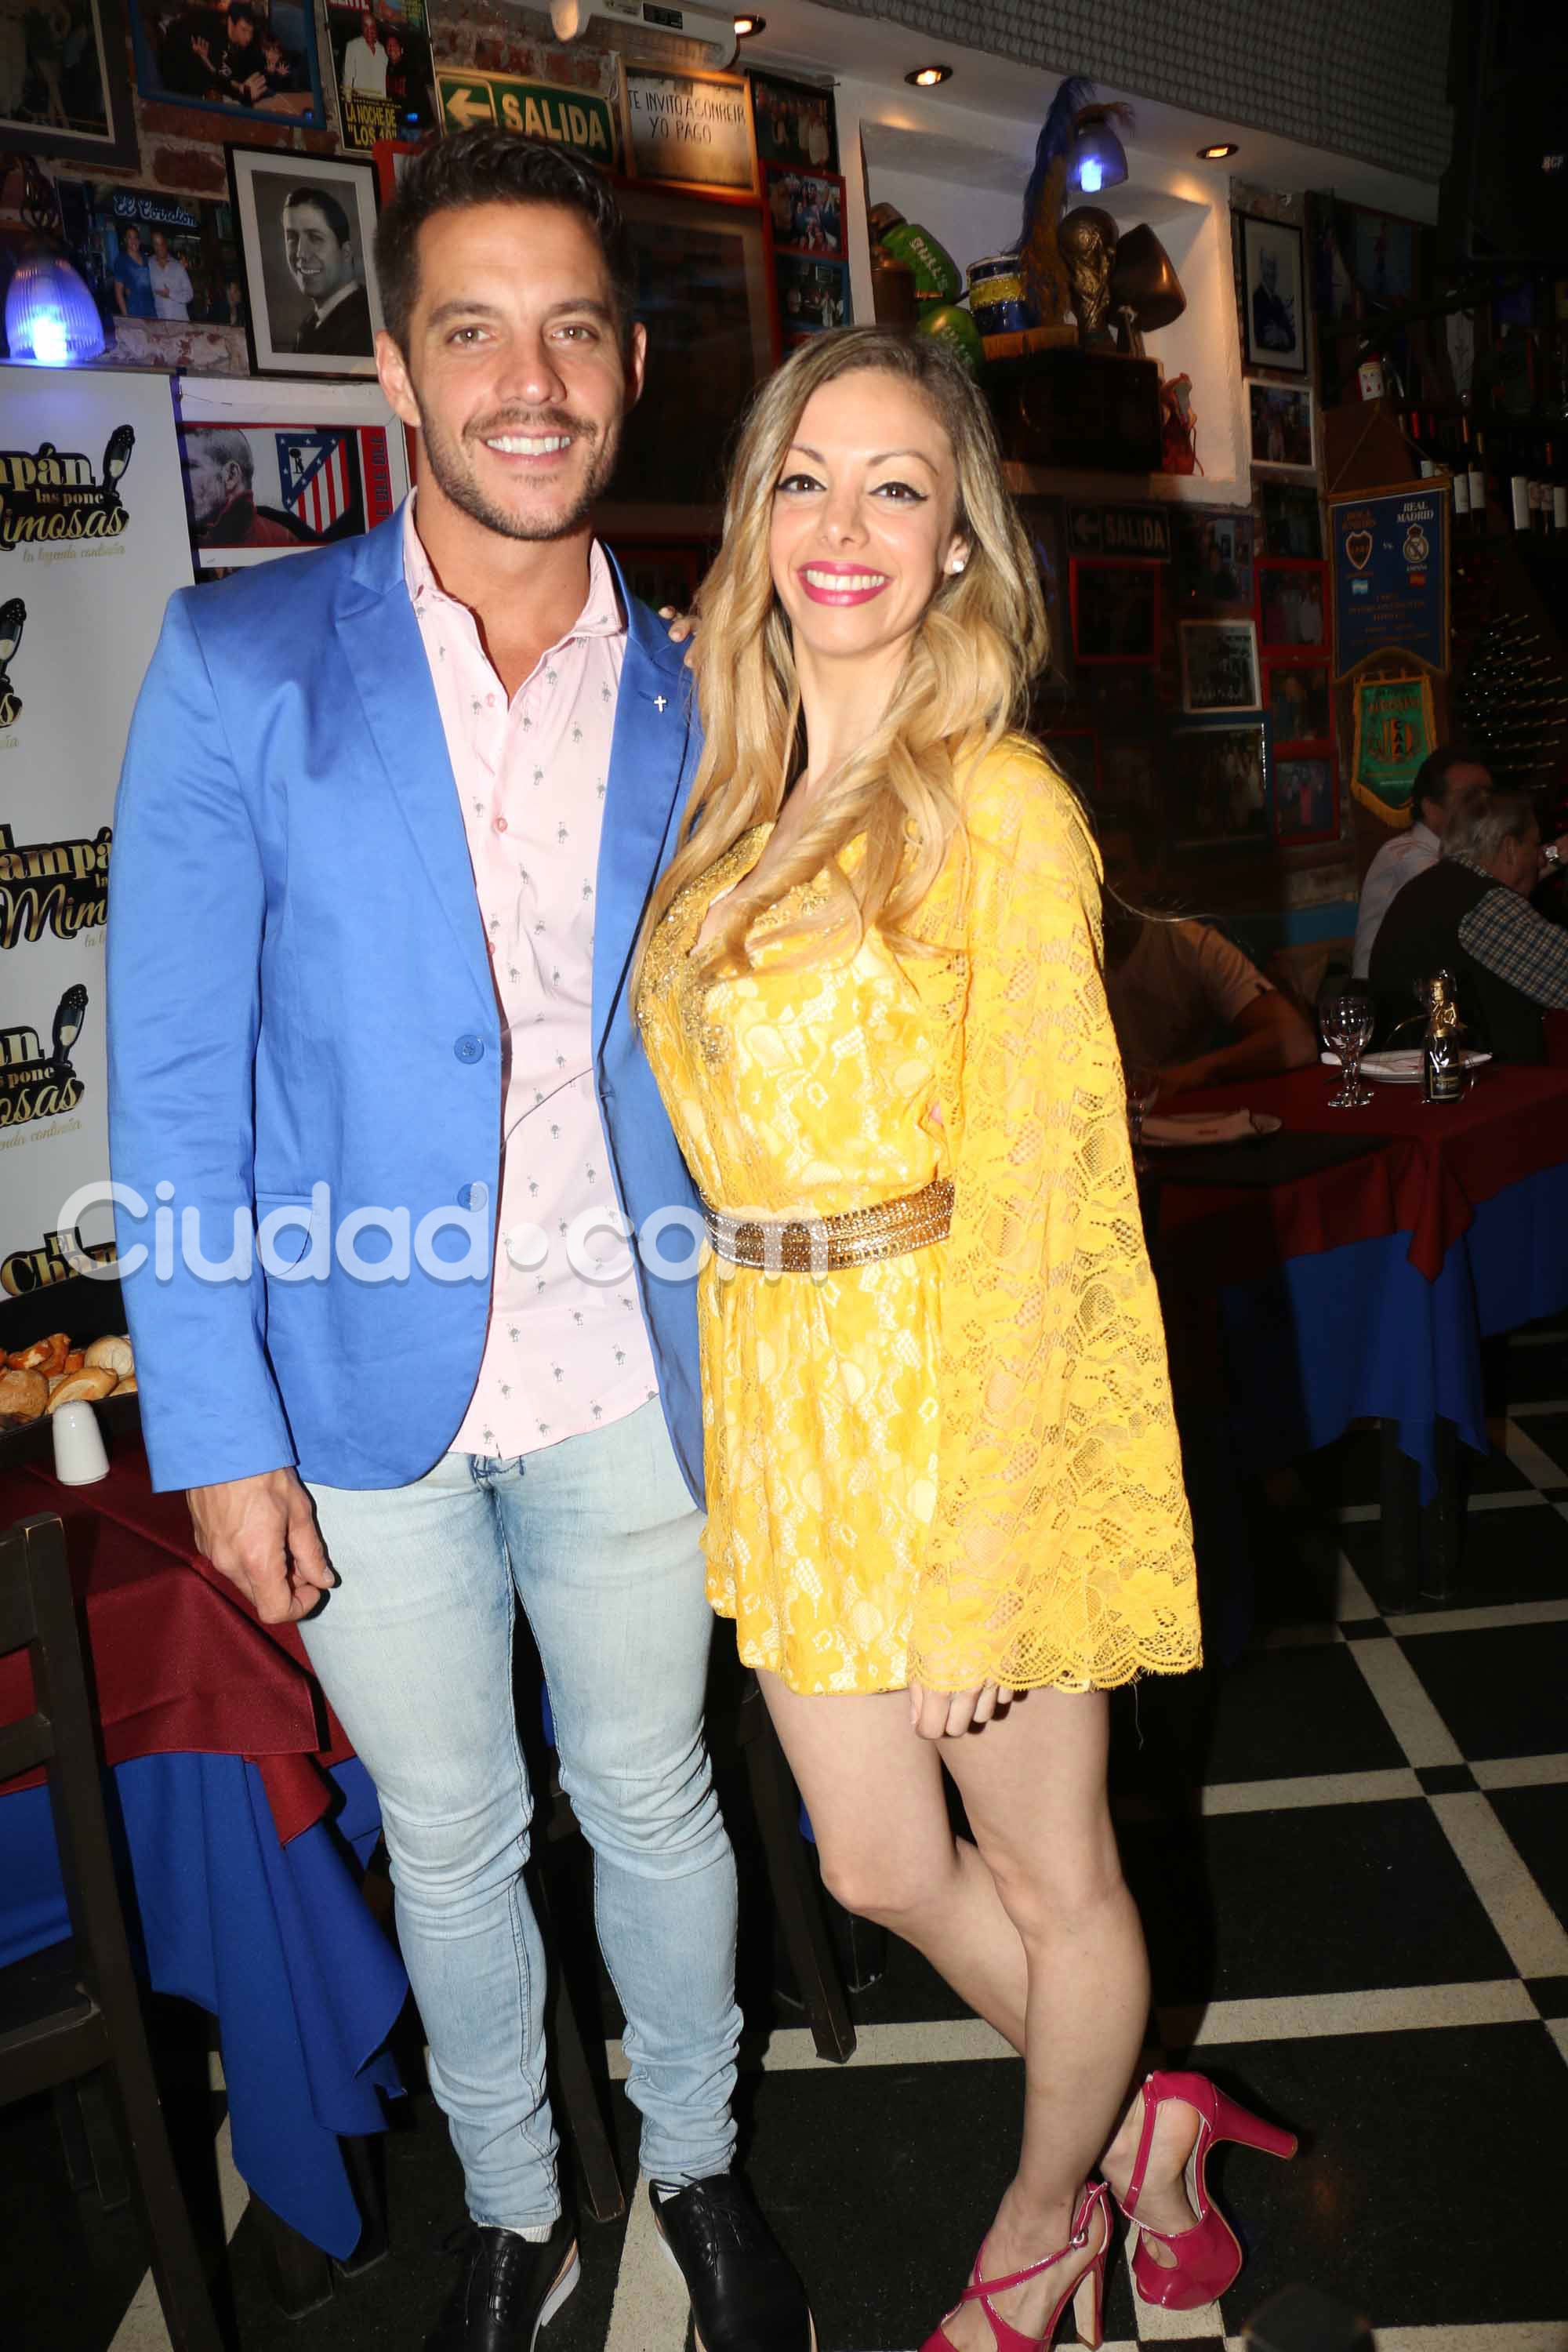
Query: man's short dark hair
331,212
1434,776
488,166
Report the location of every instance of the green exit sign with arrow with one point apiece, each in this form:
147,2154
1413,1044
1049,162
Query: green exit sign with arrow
576,119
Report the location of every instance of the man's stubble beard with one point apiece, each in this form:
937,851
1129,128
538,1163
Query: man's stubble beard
459,487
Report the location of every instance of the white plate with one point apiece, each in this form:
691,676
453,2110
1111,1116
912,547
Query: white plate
1403,1067
1264,1122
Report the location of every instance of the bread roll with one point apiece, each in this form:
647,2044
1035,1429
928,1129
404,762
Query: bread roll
45,1356
114,1354
75,1361
127,1386
92,1384
24,1396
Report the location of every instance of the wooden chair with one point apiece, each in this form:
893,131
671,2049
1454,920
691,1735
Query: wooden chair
74,2011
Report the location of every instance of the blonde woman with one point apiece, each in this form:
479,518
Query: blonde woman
944,1493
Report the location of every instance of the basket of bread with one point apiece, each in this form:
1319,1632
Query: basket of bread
35,1381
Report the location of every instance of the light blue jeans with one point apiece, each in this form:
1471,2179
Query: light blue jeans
597,1537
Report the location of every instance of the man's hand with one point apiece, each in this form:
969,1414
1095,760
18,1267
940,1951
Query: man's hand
947,1715
262,1534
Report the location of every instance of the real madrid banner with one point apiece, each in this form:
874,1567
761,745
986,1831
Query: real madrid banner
93,539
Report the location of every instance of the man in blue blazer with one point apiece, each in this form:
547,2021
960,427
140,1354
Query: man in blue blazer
390,816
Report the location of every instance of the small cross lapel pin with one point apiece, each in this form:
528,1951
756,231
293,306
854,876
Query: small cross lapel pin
658,704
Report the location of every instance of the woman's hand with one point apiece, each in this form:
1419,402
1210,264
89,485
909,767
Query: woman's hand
946,1715
681,624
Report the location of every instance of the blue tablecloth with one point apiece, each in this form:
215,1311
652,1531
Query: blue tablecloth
1355,1332
275,1941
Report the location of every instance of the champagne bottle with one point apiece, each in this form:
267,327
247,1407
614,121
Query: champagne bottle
1519,488
1442,1054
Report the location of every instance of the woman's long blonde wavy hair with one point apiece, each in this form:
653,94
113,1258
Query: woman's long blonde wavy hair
963,688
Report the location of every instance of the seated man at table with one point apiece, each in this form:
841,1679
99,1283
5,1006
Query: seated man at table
1184,1000
1446,780
1470,915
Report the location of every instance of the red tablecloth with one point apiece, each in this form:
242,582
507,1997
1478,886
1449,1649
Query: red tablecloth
179,1660
1435,1165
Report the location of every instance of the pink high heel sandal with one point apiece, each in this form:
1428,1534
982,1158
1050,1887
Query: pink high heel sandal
1207,2257
1087,2294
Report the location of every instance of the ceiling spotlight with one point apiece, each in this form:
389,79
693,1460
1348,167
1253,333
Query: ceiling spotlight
746,26
929,77
1217,153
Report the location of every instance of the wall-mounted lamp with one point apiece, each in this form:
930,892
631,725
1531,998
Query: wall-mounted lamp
1098,159
929,77
748,27
51,319
1216,153
710,31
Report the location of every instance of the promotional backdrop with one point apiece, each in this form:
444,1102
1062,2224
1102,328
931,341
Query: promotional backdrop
92,540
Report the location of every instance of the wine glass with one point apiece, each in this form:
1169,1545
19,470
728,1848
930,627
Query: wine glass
1142,1083
1345,1021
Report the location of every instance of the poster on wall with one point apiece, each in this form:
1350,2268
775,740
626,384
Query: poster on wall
307,233
797,123
381,63
92,540
1388,564
690,129
272,469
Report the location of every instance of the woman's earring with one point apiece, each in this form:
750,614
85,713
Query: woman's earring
957,564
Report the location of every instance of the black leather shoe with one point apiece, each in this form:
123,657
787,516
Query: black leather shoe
745,2295
509,2293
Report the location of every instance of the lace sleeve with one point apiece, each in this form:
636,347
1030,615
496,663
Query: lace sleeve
1059,1550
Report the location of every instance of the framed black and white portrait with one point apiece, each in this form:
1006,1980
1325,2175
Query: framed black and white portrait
1273,295
307,230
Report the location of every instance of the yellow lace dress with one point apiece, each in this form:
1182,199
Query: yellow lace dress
961,1463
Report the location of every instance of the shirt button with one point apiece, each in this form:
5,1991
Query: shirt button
468,1049
500,823
490,702
473,1196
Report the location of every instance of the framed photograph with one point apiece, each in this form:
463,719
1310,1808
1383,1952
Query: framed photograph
392,158
1130,767
1213,549
1298,705
64,89
703,293
272,469
160,267
1292,520
380,65
1274,307
807,211
1220,789
1220,667
662,575
1382,253
796,123
307,226
688,130
254,61
1306,799
1115,610
1292,605
813,295
1074,752
1280,424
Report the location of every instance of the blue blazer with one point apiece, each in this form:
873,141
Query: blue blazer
300,992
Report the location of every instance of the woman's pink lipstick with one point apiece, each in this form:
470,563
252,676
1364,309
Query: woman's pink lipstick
820,595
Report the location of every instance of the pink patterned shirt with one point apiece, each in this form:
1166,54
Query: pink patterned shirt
564,1353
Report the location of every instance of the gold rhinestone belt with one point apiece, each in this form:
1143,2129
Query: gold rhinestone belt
828,1244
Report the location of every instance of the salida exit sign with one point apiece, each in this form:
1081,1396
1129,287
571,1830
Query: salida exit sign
576,119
